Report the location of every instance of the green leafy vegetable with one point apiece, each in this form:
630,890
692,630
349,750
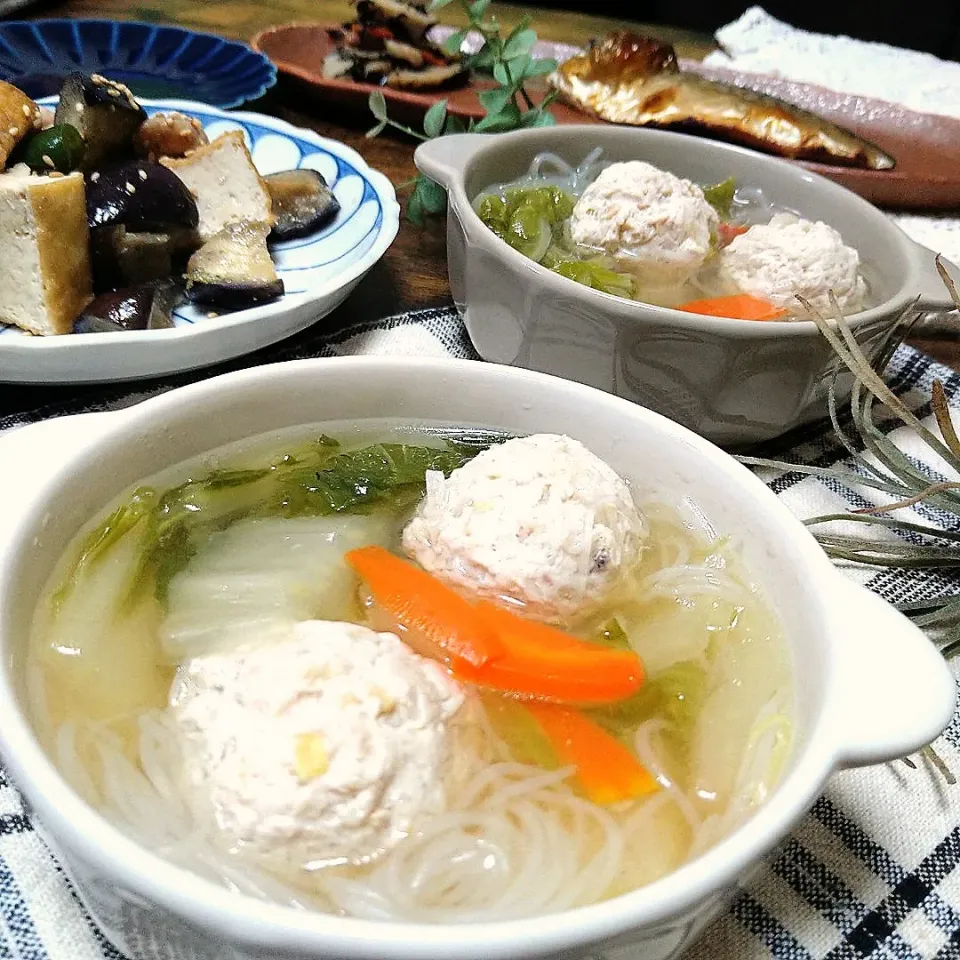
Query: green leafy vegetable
516,727
507,106
614,636
313,480
532,219
595,275
674,695
720,197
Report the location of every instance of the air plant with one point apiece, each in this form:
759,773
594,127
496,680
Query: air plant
875,461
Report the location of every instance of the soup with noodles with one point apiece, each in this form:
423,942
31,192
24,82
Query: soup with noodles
418,674
636,231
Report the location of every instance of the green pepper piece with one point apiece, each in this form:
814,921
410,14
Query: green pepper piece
59,148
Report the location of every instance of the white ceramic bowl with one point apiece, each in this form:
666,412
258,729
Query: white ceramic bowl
734,382
59,474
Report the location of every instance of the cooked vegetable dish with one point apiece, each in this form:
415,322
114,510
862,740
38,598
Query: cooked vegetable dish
388,44
110,219
632,230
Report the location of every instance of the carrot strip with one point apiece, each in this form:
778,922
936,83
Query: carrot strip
740,306
607,771
728,232
424,606
491,647
541,661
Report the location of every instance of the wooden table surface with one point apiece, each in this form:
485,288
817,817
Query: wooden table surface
413,272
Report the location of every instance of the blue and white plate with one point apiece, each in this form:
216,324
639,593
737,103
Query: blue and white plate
154,61
318,271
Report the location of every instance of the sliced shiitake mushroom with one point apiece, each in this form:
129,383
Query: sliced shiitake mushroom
143,195
146,307
105,112
233,269
302,203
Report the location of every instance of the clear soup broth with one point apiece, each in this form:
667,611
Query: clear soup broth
219,557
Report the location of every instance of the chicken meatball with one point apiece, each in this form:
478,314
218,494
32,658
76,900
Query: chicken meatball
539,521
790,256
654,224
323,745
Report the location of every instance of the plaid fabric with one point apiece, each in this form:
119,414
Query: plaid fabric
873,871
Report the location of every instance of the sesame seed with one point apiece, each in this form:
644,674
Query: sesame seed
78,106
13,131
26,110
47,161
54,174
114,92
142,174
129,187
95,176
212,315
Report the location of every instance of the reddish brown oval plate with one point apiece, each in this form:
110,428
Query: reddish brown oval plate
925,146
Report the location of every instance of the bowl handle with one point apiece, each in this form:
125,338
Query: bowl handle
444,158
933,292
897,693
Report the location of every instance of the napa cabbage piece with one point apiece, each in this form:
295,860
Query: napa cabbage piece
675,696
533,220
521,734
593,274
263,575
528,218
313,480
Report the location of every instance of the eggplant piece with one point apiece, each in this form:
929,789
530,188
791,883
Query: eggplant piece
105,112
233,269
147,307
302,203
143,195
122,258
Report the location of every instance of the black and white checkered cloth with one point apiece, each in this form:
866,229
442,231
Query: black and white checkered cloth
873,871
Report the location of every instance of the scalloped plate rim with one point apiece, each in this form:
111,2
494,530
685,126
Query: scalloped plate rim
253,93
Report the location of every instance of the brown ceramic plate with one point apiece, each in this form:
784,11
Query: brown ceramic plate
925,146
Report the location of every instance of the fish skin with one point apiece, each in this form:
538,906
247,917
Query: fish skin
634,80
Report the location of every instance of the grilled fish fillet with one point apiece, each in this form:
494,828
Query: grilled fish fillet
636,80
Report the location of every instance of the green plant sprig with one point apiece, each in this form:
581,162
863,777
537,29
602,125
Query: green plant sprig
509,61
876,462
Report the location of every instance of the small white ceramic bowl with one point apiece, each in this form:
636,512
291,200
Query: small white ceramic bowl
59,474
734,382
